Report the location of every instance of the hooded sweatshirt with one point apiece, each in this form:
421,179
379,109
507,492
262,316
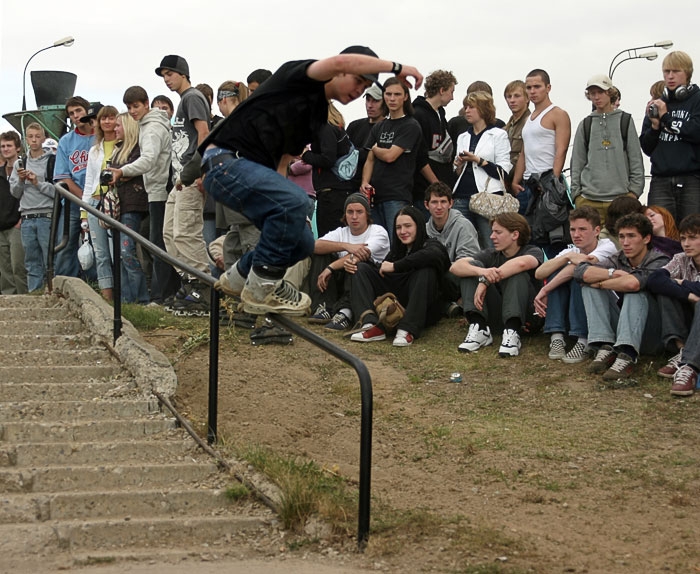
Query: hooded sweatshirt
458,235
33,198
155,144
675,148
606,169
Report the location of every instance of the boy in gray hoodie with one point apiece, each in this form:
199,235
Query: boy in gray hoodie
31,183
155,143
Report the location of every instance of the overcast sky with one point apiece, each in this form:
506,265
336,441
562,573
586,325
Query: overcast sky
119,44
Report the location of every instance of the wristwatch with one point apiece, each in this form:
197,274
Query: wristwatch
611,270
484,281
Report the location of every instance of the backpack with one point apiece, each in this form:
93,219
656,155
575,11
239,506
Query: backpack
49,167
345,167
624,129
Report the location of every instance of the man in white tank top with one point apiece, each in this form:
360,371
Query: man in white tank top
546,133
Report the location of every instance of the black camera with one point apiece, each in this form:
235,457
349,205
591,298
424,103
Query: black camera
653,111
105,177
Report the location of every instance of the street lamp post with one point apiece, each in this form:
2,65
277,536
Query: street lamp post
67,41
634,54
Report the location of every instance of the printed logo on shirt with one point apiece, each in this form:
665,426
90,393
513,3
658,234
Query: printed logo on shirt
78,160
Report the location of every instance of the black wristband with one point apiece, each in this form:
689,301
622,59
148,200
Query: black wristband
396,68
330,269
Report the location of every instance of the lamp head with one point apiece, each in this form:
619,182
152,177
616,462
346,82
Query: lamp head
648,55
665,44
67,42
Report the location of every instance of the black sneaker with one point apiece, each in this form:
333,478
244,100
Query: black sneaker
321,316
339,322
196,304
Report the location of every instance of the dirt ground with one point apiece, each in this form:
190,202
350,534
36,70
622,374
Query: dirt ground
527,465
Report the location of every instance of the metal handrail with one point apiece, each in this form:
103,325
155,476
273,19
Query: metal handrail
359,367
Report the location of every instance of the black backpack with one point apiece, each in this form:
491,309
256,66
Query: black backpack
624,129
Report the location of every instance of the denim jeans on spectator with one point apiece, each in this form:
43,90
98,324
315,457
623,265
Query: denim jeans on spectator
637,324
66,261
102,245
565,310
691,351
35,239
274,204
133,279
481,224
679,194
384,214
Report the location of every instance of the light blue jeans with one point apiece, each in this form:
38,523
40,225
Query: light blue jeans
566,302
133,279
102,244
637,323
35,240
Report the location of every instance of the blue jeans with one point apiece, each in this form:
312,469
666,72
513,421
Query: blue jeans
35,240
636,324
102,244
384,214
691,351
133,279
66,262
481,224
274,204
566,302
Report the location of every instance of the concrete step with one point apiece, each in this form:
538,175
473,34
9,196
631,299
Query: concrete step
73,391
110,477
133,535
44,341
59,373
37,314
16,301
77,453
152,532
78,410
84,431
121,505
42,357
65,326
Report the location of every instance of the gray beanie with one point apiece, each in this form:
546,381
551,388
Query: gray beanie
356,198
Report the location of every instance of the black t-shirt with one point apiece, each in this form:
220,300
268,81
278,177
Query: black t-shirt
280,117
491,258
358,131
394,181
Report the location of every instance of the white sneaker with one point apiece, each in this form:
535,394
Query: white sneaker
265,296
510,344
231,282
475,339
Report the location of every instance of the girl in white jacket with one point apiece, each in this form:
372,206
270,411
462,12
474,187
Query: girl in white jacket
481,161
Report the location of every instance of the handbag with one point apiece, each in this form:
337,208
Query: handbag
109,205
489,205
389,310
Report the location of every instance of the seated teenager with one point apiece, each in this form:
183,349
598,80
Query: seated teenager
499,286
677,287
335,258
412,271
454,231
618,207
559,301
620,332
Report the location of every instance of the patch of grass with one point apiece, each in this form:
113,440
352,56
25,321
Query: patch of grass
306,490
146,318
236,491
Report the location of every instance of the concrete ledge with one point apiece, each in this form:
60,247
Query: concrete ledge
149,367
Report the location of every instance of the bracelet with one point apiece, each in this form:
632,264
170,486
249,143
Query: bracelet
330,269
600,284
396,68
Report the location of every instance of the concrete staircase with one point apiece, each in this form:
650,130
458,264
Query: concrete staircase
91,468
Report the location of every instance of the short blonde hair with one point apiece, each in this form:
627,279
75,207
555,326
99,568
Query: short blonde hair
483,102
678,60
